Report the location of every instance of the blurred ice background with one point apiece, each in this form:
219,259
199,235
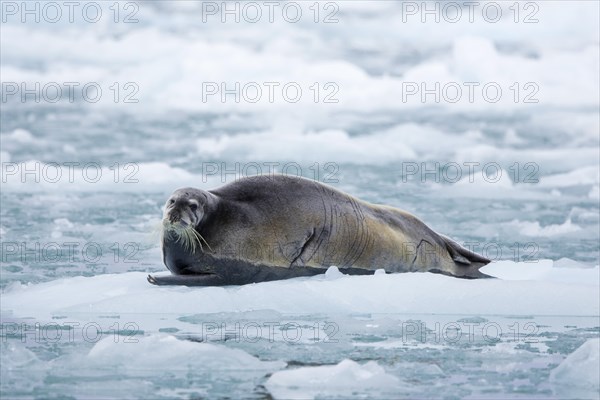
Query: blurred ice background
536,214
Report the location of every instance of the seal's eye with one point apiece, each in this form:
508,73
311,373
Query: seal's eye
171,201
193,207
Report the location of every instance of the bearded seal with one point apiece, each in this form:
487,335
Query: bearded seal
273,227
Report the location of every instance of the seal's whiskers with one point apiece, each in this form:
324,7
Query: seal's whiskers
187,235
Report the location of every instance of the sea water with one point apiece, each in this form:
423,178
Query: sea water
513,177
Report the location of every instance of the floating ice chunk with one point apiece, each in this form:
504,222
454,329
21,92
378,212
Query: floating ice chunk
20,368
491,184
302,146
512,137
380,271
503,348
19,135
342,380
566,271
529,228
402,344
15,355
578,376
569,263
149,176
333,272
524,289
578,176
138,369
156,351
63,223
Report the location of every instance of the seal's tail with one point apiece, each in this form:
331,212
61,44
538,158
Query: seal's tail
467,262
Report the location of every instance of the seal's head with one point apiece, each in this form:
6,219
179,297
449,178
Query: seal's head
183,214
185,207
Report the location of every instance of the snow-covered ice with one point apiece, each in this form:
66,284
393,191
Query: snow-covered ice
579,374
524,289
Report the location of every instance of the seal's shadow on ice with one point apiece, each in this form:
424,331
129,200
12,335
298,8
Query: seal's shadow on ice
267,228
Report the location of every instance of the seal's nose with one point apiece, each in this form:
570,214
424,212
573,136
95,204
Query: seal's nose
185,220
175,216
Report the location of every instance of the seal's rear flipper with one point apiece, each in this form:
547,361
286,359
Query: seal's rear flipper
467,262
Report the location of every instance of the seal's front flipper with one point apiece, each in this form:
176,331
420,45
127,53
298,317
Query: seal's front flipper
187,280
